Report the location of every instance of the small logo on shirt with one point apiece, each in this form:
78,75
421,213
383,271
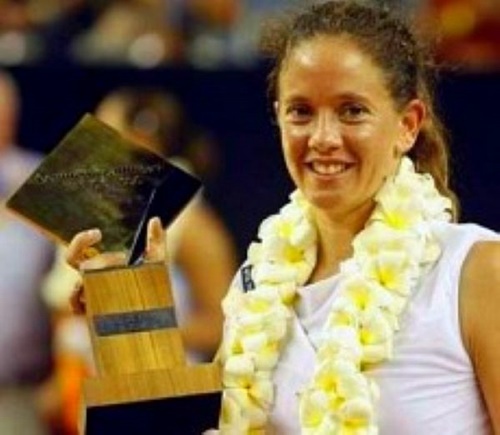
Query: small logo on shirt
246,278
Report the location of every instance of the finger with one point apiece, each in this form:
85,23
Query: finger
80,247
104,260
156,242
77,299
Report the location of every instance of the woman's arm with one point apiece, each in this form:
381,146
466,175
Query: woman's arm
480,315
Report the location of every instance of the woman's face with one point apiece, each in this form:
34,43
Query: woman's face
340,130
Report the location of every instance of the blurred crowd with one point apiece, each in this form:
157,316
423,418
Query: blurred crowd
145,33
207,33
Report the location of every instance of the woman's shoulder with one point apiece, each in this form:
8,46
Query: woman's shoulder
447,231
480,284
457,239
482,266
479,308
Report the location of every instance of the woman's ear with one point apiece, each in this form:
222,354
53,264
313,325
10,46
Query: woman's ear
276,112
411,122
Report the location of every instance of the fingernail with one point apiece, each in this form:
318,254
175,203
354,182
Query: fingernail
94,232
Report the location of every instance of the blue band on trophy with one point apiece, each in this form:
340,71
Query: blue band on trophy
246,278
135,321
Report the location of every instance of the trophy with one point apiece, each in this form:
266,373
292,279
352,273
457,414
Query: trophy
95,178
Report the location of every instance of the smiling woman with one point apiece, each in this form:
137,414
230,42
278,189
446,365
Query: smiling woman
358,295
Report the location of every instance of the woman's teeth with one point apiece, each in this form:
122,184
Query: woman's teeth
322,168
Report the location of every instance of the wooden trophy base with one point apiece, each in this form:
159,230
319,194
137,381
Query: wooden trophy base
180,401
143,385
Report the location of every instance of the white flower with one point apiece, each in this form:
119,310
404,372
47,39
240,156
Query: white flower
262,390
254,253
313,408
272,273
375,353
341,341
394,270
232,301
303,235
357,411
344,313
379,237
238,371
398,207
374,327
232,420
365,294
354,385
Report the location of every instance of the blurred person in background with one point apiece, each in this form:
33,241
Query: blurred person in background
61,22
158,120
25,256
468,31
134,31
202,256
222,32
19,40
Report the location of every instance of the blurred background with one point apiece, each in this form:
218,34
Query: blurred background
66,55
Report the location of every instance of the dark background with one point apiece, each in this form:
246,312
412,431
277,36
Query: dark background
232,105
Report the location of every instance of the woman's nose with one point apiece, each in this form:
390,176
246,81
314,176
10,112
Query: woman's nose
325,133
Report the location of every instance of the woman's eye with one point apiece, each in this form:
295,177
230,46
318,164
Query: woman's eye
353,112
298,112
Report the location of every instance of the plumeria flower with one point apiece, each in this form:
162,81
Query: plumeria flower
374,327
254,253
365,294
273,322
379,237
273,273
357,412
375,353
339,378
262,390
303,234
232,420
313,408
238,371
437,207
399,212
341,341
394,270
344,313
263,351
354,385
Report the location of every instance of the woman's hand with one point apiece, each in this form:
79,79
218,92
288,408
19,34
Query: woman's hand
156,243
82,255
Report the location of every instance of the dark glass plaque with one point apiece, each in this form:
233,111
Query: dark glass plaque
95,178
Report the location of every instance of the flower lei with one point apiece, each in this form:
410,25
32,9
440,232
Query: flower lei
389,257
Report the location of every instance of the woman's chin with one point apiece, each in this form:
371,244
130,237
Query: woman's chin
324,200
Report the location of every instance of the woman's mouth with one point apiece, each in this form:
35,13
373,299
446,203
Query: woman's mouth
328,168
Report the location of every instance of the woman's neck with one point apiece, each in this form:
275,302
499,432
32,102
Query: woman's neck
335,238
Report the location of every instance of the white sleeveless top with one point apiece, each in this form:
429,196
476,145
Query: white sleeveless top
429,387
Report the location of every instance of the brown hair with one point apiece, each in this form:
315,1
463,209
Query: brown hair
394,46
